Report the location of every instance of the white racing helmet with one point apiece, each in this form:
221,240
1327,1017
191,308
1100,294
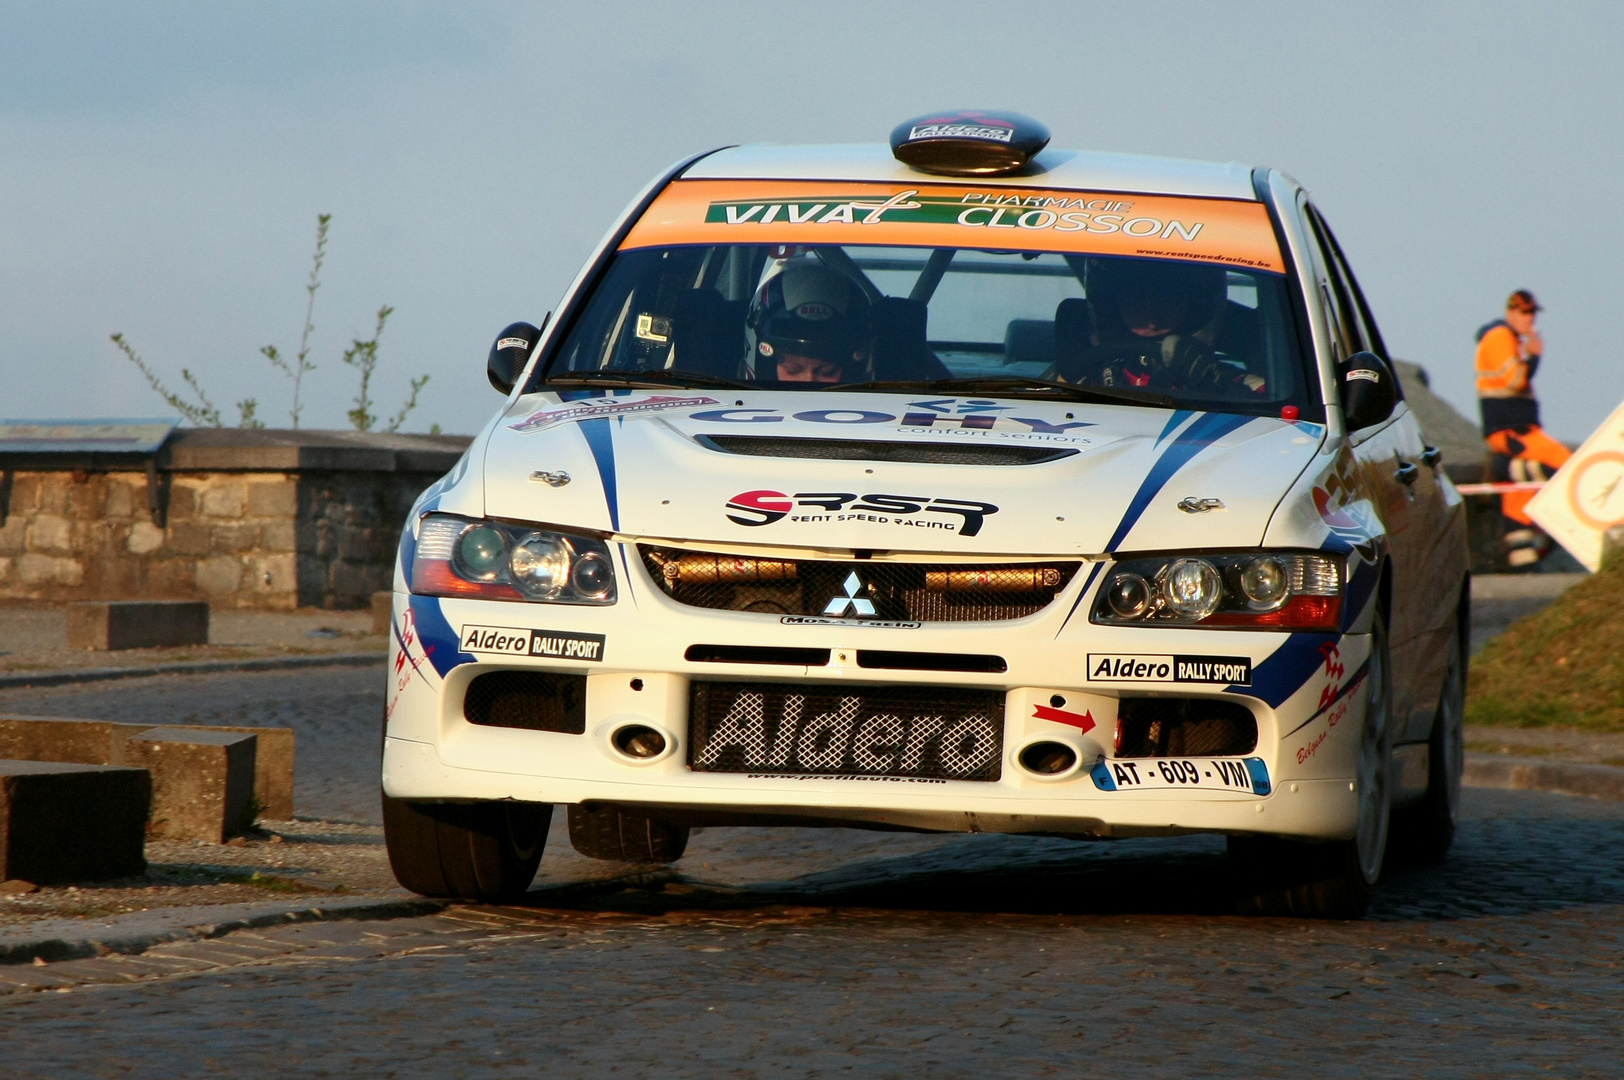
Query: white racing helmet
810,310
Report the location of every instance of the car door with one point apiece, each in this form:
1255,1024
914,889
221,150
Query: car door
1432,578
1387,456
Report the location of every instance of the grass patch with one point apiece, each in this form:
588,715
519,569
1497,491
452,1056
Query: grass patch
1559,667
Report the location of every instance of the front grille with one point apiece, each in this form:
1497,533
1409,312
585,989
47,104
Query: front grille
534,700
936,733
919,453
1184,727
915,592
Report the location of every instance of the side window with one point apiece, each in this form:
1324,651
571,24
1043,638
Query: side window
1335,315
1372,335
1353,300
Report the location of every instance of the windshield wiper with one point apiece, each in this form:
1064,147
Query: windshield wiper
1017,386
659,377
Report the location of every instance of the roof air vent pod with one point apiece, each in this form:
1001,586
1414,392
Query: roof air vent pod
968,142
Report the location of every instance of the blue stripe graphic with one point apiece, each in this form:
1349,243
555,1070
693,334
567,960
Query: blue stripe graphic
1201,434
1178,417
1287,668
440,643
1347,688
602,443
1093,572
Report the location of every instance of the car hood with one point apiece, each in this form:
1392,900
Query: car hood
697,465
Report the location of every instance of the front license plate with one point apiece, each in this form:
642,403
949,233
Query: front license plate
888,732
1249,775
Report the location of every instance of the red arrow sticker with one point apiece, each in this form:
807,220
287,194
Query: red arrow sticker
1084,722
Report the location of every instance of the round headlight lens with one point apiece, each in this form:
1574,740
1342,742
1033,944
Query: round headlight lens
1129,595
1265,582
1192,588
592,576
540,564
480,551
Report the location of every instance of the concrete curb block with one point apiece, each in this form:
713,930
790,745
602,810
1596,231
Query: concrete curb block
70,676
65,939
1542,774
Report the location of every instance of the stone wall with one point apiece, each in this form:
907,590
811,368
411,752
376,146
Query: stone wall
247,519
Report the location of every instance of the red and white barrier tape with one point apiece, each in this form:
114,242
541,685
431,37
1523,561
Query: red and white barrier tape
1498,488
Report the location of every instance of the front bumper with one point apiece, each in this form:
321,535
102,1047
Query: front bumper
1305,693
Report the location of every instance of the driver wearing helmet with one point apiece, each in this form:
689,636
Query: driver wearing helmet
810,323
1155,323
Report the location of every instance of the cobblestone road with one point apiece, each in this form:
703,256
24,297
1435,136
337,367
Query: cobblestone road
834,953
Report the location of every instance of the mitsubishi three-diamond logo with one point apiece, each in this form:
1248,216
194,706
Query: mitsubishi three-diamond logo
859,605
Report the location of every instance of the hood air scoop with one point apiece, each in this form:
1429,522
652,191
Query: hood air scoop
879,450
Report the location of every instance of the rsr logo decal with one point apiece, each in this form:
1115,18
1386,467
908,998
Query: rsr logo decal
763,507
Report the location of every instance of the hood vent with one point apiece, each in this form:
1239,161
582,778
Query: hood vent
920,453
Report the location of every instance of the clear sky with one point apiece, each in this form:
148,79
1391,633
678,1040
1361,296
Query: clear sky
162,164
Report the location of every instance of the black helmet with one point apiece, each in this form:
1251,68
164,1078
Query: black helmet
810,310
1197,289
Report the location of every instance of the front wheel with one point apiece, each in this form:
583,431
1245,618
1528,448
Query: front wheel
1276,876
1424,832
483,851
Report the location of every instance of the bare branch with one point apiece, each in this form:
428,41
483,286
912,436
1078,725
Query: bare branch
204,415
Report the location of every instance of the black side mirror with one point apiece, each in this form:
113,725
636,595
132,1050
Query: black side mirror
1368,393
510,353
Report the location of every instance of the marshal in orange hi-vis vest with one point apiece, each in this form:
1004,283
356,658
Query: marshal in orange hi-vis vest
1502,364
1227,231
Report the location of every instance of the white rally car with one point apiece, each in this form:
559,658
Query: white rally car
961,484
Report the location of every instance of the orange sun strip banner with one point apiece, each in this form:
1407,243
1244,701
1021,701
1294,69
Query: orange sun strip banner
986,217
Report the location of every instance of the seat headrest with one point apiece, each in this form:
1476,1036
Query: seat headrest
708,332
900,348
1029,341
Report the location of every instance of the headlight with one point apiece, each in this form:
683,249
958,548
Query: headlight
1234,591
1129,595
540,565
497,561
1192,589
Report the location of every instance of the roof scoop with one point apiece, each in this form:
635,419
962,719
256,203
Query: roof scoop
968,142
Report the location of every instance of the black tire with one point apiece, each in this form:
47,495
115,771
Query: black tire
485,851
614,833
1423,833
1275,876
1334,880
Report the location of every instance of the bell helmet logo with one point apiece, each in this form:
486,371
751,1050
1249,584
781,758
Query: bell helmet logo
815,311
759,507
853,599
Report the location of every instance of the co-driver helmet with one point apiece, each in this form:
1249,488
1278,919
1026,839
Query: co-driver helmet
1195,290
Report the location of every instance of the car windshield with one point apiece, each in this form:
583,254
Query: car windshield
917,318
